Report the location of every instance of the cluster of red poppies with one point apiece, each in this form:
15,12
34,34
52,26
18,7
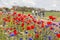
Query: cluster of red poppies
29,21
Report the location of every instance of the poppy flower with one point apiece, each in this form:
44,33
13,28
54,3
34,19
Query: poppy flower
42,25
38,22
29,14
18,19
36,35
53,18
32,26
28,28
4,19
22,24
49,23
50,17
15,32
34,20
14,13
58,35
19,14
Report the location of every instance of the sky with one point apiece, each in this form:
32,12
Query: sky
47,4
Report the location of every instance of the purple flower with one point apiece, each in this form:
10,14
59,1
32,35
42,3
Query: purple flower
30,38
59,23
55,32
21,38
53,24
50,37
26,32
46,26
56,25
12,34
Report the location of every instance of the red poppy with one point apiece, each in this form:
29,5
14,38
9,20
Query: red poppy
34,20
42,25
4,19
53,18
28,28
29,14
50,17
15,32
18,19
19,14
38,22
49,23
32,27
58,35
14,13
22,24
36,35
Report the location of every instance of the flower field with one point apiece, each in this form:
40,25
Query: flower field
18,26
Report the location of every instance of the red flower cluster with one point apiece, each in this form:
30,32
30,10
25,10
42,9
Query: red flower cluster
52,18
30,27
